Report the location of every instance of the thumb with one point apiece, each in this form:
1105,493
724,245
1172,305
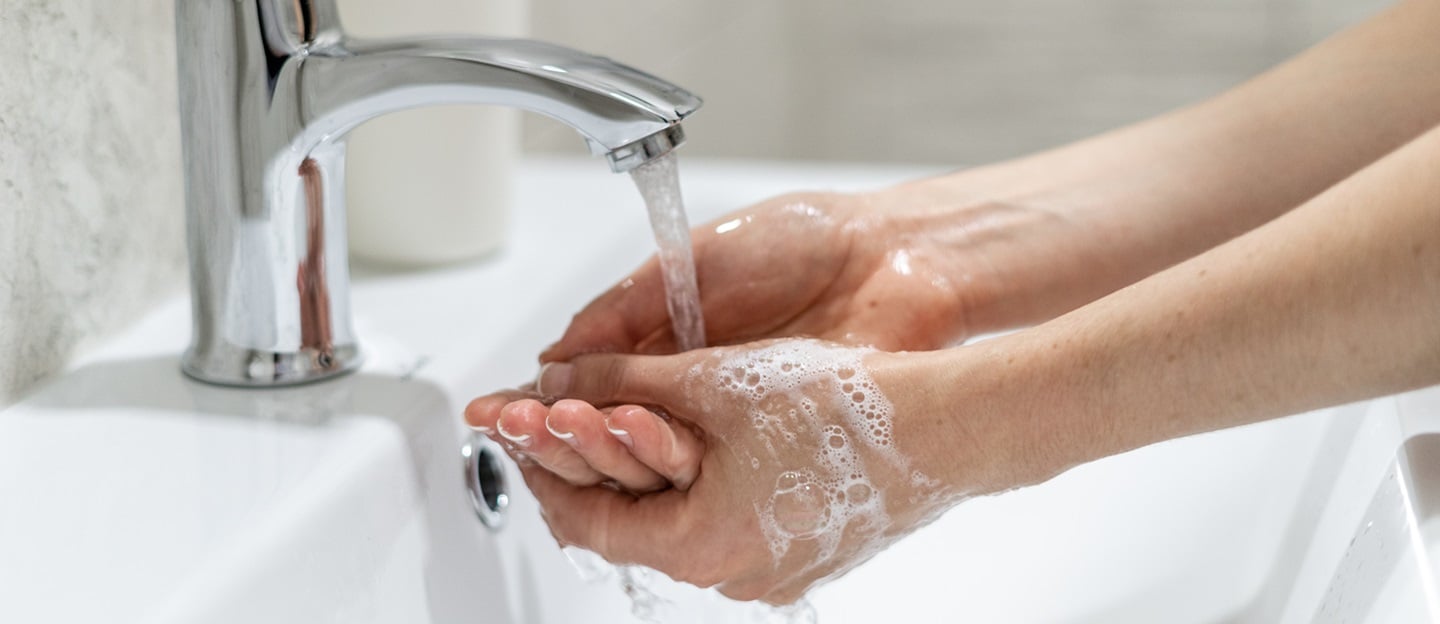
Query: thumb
603,379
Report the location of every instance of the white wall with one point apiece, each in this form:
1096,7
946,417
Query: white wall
90,218
947,81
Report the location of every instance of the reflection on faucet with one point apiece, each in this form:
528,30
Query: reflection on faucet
314,296
268,90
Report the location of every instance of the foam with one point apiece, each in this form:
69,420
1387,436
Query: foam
820,397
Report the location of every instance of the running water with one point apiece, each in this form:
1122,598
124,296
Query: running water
659,183
653,596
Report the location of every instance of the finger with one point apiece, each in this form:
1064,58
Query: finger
581,426
522,426
666,447
482,412
609,379
632,317
618,319
620,527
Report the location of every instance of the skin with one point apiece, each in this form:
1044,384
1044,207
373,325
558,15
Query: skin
1264,253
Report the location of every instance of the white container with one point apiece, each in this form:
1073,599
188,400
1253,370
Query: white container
431,186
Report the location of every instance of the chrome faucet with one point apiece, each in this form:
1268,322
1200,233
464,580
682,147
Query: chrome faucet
268,90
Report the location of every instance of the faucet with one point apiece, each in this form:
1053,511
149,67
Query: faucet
268,91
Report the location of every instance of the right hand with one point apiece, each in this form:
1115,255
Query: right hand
916,267
894,270
815,456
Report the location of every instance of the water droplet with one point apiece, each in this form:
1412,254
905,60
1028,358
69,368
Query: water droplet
799,506
858,493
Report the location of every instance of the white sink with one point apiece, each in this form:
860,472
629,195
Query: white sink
128,493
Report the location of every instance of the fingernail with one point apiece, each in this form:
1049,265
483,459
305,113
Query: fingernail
554,378
482,429
520,440
563,435
620,434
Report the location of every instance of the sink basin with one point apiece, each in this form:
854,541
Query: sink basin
129,493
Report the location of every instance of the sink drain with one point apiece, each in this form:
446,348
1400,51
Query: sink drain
485,479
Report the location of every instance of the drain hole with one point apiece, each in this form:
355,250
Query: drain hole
492,480
485,478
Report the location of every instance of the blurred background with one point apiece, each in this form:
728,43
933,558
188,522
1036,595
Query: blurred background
931,81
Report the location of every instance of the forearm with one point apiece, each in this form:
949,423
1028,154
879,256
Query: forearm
1337,301
1136,200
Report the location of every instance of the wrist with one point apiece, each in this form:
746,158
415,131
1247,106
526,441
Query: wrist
1015,256
961,418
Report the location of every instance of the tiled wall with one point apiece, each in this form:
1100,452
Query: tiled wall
932,80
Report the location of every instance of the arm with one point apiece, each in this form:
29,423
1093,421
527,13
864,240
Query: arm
1338,300
1335,301
1020,242
1125,204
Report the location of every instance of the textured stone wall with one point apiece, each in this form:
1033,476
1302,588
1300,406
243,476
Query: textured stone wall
90,193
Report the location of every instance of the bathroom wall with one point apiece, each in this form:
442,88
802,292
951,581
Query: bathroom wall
945,81
90,192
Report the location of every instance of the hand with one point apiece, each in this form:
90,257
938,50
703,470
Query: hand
810,462
904,269
628,447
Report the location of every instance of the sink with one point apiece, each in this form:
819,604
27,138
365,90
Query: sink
129,493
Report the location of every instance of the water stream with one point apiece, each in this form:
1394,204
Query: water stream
653,596
659,183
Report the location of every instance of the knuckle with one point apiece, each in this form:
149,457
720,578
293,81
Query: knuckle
675,463
565,530
603,379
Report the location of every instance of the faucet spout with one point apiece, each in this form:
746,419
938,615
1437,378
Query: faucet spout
268,91
625,114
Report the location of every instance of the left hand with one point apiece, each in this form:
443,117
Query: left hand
807,468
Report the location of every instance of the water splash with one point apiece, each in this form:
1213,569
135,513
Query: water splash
656,599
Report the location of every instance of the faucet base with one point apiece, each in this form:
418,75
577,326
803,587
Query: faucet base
234,366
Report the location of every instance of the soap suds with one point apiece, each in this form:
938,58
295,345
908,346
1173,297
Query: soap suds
818,397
